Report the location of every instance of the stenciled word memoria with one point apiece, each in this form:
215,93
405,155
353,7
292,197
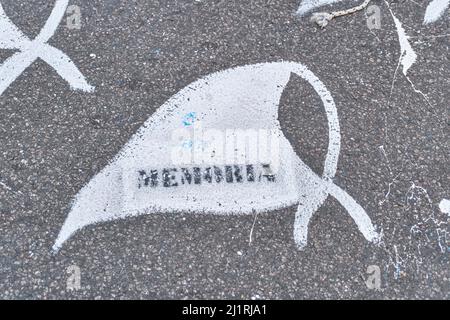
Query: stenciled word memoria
175,177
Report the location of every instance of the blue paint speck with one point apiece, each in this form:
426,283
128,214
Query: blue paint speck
187,144
189,119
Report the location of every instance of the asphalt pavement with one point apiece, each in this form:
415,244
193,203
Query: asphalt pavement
394,158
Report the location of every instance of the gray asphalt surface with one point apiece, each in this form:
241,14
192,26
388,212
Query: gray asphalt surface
394,158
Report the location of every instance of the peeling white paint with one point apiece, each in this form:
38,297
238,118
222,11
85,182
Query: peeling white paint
435,10
30,50
243,97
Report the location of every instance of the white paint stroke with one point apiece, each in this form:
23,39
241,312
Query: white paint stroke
30,50
323,18
309,5
239,98
435,10
250,237
4,185
444,206
407,55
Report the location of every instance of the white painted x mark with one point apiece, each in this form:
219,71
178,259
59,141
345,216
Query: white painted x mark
30,50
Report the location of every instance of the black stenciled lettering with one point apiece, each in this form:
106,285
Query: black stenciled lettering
229,174
267,173
237,173
172,177
143,178
151,180
250,173
186,176
207,175
197,175
218,174
169,178
154,178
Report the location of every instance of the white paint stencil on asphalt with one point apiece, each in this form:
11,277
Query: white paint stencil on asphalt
30,50
152,174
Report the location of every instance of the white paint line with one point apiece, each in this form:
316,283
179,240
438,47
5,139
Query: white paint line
388,193
323,18
398,264
444,206
250,237
241,98
411,194
358,214
309,5
4,185
407,55
435,10
30,50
